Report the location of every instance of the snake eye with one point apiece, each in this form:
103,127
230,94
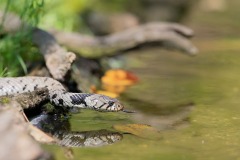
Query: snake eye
110,103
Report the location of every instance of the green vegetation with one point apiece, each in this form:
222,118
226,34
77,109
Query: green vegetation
16,49
65,15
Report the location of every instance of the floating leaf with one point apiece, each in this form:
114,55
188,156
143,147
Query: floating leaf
140,130
118,80
114,82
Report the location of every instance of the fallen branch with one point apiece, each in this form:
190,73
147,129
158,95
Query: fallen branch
168,35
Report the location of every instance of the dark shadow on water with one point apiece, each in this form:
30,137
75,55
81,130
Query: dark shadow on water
157,109
161,116
59,128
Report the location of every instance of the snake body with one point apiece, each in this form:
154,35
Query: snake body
58,95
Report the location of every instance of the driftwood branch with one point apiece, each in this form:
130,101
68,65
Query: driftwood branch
58,60
168,35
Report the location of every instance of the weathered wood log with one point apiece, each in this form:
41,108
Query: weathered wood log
16,142
15,130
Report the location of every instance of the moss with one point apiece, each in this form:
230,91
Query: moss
4,100
48,107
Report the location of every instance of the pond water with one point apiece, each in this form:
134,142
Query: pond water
193,101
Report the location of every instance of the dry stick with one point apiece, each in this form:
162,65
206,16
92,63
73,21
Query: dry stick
58,60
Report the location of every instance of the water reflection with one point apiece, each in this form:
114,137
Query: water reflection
88,138
59,128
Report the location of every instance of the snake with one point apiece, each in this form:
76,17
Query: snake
58,95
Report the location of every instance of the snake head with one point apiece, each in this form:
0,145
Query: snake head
103,103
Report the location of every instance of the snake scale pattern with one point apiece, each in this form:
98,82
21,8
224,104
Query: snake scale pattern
58,95
87,138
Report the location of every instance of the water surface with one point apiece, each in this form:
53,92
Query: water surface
193,101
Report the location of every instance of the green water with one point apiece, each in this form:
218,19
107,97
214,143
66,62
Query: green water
193,101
